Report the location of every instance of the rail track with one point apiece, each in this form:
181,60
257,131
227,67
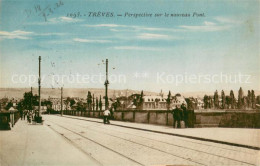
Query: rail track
142,140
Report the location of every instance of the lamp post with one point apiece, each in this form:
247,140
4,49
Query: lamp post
106,86
39,82
31,100
61,101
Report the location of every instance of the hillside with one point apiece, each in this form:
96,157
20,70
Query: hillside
82,92
67,92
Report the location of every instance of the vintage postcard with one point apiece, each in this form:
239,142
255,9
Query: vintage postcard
129,82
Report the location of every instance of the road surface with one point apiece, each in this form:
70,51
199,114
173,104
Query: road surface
115,145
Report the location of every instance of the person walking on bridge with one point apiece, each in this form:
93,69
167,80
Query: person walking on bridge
176,117
185,114
106,115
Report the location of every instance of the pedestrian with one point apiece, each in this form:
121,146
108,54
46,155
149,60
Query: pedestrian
21,114
33,115
185,114
106,115
182,124
112,113
28,117
24,114
176,117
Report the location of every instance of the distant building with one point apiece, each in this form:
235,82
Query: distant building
154,103
177,100
160,102
56,104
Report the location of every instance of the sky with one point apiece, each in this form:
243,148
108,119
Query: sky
215,47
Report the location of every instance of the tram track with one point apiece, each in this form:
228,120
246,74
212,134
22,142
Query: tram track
184,140
74,144
79,128
97,143
171,144
177,135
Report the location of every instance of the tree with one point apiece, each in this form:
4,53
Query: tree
244,101
96,103
100,104
93,102
80,106
9,105
211,102
168,100
29,100
223,98
240,98
20,106
3,102
253,99
206,101
258,99
249,99
71,101
233,99
89,101
216,100
190,103
141,100
228,102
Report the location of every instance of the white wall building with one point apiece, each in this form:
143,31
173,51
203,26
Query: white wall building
160,103
154,103
56,104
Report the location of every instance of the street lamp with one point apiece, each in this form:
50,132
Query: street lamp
38,117
106,86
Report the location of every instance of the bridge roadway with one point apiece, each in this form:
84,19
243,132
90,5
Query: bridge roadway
118,145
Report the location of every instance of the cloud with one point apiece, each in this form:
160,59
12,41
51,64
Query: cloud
106,25
157,29
64,20
50,34
91,41
223,23
206,27
153,36
115,30
123,30
18,34
120,27
24,35
207,23
136,48
57,20
228,20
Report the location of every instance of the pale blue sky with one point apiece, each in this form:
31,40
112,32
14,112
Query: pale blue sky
225,40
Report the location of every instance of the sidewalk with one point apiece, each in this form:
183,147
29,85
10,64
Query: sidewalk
240,136
27,145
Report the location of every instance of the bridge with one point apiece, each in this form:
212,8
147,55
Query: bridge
72,140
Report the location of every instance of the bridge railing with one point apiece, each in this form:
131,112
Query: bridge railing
223,118
160,117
